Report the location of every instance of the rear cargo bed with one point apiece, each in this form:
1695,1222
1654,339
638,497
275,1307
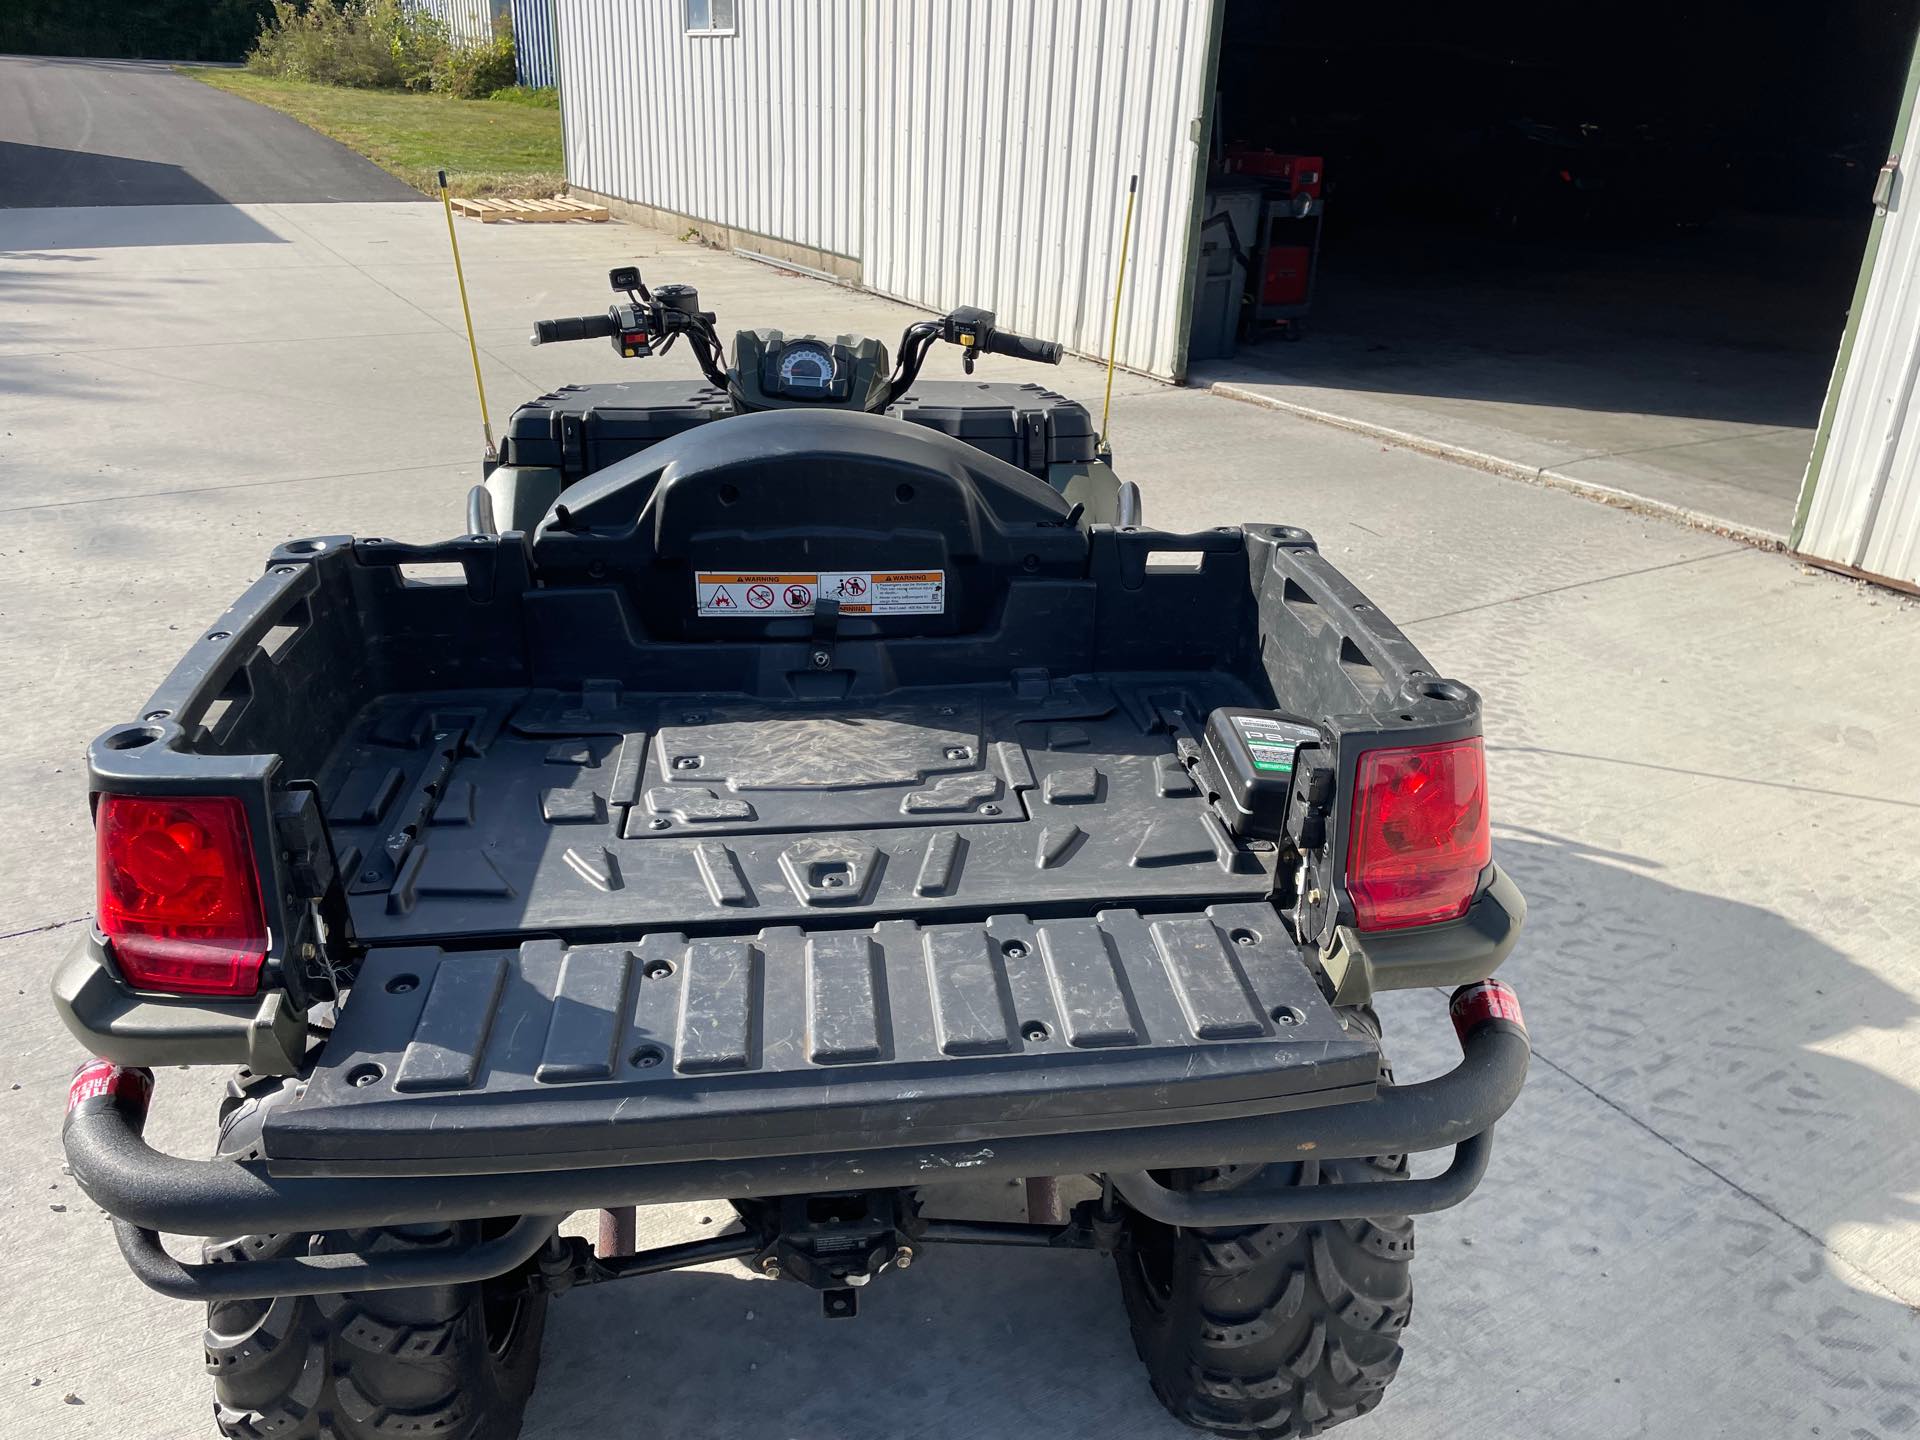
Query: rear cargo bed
602,812
609,878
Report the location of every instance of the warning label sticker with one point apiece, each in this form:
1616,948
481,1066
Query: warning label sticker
858,592
1271,742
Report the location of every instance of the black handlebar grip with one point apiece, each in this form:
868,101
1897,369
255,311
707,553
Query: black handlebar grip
1024,347
573,327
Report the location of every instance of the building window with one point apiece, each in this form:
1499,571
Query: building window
710,17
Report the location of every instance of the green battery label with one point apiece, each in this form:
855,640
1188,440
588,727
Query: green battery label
1271,743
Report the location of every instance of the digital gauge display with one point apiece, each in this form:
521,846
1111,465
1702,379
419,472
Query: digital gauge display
806,370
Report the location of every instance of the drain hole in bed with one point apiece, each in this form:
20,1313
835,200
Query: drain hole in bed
401,984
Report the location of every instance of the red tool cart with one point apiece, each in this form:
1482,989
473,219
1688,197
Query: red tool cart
1285,253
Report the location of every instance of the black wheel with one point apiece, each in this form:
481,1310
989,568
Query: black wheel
1271,1330
455,1362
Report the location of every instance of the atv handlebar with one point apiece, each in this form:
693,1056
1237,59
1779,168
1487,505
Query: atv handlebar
573,327
973,330
1024,347
649,322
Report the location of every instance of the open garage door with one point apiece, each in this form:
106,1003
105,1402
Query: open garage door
1612,247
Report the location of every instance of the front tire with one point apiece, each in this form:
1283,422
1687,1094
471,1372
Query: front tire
1272,1330
455,1362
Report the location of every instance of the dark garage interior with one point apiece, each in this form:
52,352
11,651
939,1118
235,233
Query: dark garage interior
1618,242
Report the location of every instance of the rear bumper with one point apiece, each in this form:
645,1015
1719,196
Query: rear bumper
149,1192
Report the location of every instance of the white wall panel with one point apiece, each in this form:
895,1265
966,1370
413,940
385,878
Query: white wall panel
1862,506
533,57
1002,133
759,130
467,20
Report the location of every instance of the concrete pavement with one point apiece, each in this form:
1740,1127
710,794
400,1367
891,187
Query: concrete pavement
1703,1218
1682,370
132,132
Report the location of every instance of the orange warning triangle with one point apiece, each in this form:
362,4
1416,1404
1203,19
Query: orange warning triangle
721,600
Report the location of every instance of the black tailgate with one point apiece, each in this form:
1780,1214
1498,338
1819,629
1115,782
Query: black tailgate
794,1041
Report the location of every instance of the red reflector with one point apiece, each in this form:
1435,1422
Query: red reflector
178,897
1420,836
1484,1000
133,1087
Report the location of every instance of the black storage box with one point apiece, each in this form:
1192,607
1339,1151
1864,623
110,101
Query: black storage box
579,429
1025,425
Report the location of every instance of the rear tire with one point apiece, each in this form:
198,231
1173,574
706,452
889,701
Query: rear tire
455,1362
1272,1330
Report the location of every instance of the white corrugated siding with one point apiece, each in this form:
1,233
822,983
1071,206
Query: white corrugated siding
1002,135
759,130
468,20
533,57
1864,506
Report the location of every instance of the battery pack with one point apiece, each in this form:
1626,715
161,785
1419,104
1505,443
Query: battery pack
1251,756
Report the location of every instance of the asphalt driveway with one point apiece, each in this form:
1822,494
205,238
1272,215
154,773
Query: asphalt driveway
132,132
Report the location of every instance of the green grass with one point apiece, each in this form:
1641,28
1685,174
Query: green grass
487,147
543,96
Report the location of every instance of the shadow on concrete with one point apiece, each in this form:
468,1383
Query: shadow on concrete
1735,321
1702,1019
970,1343
1712,1023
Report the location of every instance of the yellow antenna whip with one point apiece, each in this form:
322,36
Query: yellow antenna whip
1119,286
473,346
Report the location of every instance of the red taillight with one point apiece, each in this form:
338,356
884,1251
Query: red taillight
1420,836
178,898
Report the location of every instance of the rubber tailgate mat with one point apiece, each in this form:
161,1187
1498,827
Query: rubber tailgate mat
794,1041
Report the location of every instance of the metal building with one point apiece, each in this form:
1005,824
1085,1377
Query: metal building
950,152
534,59
1860,504
468,21
943,152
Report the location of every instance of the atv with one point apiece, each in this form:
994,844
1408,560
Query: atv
796,788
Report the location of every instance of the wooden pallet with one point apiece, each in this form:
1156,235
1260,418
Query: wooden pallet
539,212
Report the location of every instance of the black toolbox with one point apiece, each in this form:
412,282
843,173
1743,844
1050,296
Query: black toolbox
579,429
1025,425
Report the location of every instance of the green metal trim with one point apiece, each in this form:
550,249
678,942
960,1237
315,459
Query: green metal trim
1902,134
1183,305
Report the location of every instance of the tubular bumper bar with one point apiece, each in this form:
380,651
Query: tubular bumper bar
330,1274
148,1191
